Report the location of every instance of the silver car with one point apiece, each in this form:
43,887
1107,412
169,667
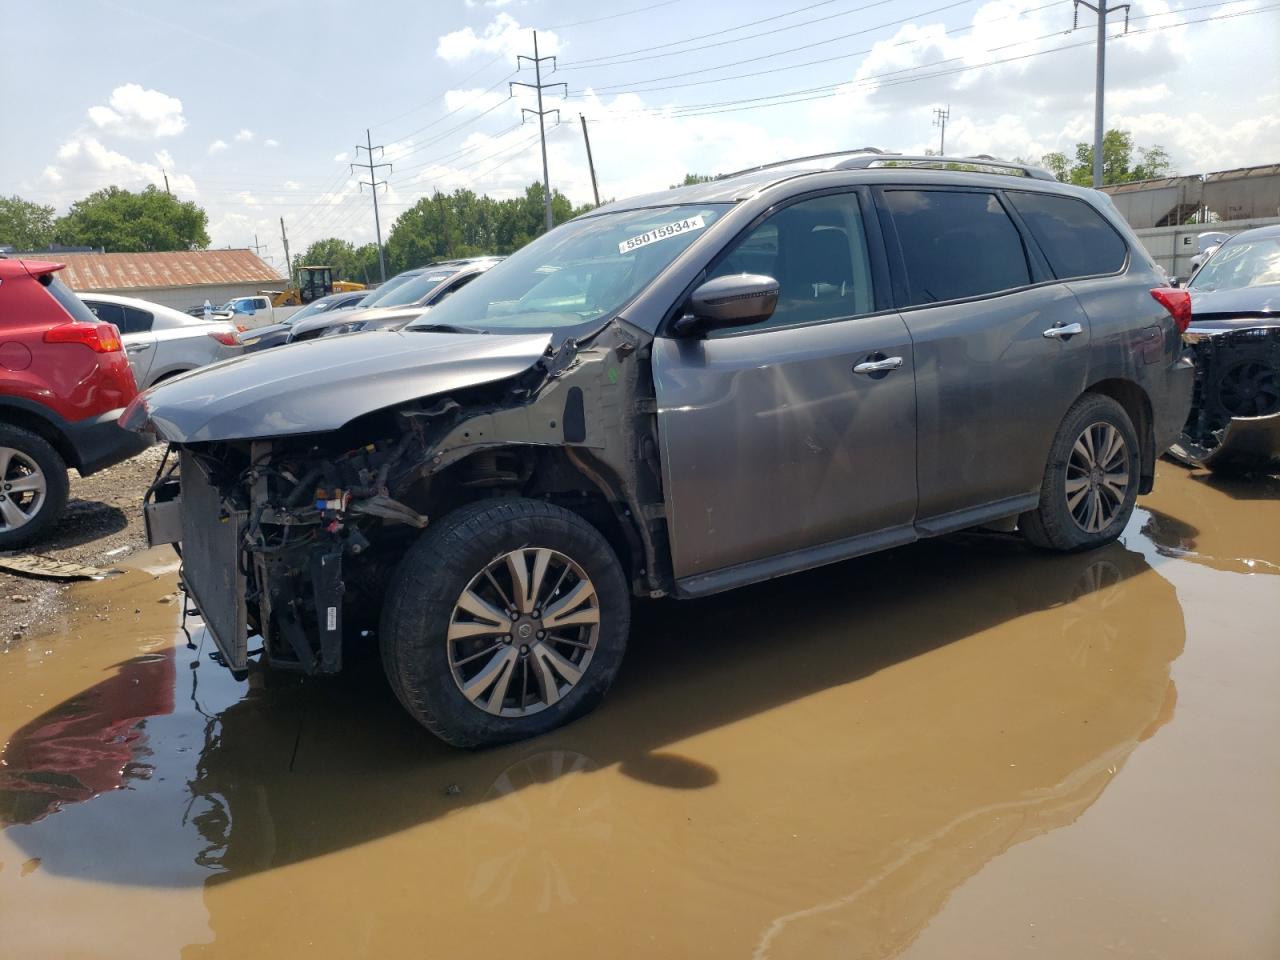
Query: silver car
162,342
675,395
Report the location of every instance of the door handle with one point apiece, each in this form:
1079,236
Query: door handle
1061,331
137,347
878,366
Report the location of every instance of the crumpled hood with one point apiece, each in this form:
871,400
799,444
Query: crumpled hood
1264,298
319,385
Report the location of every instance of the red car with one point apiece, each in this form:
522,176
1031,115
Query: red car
64,379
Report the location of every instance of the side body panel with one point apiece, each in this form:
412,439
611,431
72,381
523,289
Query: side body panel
991,390
772,444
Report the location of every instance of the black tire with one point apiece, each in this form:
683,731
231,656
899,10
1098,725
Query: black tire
1053,525
56,486
431,578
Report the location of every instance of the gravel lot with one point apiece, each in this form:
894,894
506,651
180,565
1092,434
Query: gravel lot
101,527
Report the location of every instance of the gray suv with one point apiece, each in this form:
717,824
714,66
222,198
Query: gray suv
674,395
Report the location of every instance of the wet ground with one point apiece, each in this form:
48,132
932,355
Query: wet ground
959,749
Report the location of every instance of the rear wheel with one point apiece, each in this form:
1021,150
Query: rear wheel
33,486
505,620
1091,481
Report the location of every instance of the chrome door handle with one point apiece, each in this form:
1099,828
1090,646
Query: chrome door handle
878,366
1058,332
137,347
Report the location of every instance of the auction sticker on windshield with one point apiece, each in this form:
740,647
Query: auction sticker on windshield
662,233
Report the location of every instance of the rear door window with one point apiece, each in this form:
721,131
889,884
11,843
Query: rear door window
1075,238
956,244
137,321
108,312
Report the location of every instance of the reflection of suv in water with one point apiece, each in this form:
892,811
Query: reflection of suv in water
775,370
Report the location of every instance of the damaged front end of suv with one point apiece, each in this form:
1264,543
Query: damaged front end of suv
296,481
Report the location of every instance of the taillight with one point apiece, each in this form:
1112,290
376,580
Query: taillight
98,337
224,337
1177,302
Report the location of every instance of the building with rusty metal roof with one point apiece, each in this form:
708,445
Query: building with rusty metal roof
180,279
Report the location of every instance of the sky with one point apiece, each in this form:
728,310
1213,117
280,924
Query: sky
254,109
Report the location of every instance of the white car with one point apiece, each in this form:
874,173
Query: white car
162,342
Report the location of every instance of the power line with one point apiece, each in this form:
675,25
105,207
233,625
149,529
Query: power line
541,114
434,100
940,117
1102,10
615,16
631,88
373,183
834,89
599,61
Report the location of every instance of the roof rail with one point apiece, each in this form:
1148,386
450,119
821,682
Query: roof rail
982,160
872,151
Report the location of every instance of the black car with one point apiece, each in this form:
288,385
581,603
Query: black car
1234,336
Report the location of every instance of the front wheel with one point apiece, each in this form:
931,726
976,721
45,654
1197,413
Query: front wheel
505,620
1091,481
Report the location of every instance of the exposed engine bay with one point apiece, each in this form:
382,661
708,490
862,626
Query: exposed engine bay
293,539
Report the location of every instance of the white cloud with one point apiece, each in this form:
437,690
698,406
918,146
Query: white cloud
217,146
84,164
132,111
341,157
502,35
292,185
493,3
270,143
244,135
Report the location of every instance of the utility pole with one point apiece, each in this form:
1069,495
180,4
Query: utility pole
373,183
258,247
165,174
288,264
1103,9
590,163
541,115
940,117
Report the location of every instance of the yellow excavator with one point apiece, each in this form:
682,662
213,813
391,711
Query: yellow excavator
313,283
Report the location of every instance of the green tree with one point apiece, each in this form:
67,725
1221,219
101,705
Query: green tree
25,225
691,178
1118,162
122,221
329,252
445,226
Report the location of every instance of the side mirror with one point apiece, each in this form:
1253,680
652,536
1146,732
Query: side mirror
733,301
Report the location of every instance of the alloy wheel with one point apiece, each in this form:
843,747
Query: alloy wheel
523,632
1097,477
23,489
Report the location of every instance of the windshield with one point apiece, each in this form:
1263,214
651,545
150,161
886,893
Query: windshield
1238,265
577,273
310,310
413,291
375,296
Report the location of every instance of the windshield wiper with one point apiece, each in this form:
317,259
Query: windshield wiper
443,328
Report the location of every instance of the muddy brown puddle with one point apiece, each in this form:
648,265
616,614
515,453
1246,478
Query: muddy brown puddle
958,749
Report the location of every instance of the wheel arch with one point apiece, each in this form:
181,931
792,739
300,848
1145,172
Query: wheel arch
30,417
566,476
1137,404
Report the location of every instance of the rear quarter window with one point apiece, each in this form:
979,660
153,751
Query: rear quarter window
1074,237
66,299
137,321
